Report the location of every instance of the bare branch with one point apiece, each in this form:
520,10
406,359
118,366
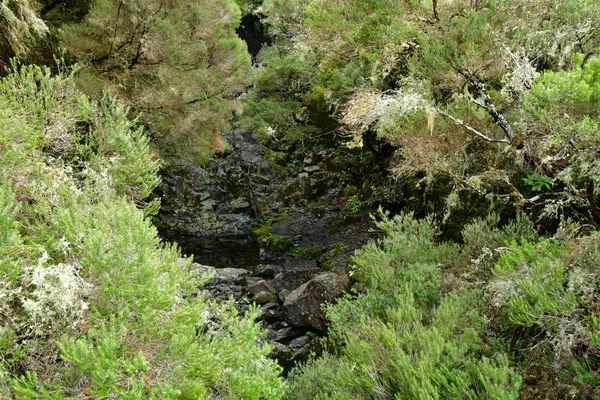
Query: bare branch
488,104
470,128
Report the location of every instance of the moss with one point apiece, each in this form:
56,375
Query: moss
278,242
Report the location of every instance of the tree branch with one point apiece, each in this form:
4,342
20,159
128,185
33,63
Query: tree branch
435,11
470,128
488,104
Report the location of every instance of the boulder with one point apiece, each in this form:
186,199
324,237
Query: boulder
236,276
296,272
225,276
302,307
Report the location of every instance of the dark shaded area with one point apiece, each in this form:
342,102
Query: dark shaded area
225,252
253,32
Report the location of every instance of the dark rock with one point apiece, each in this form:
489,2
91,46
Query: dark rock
280,325
266,271
296,272
261,286
299,342
300,265
279,351
283,334
302,308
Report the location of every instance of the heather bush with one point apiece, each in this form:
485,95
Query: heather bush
93,303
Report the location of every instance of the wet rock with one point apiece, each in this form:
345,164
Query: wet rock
261,286
265,297
302,308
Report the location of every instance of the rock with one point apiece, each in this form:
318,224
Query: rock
239,205
265,297
300,265
266,271
284,294
303,175
265,165
183,263
283,334
201,269
268,306
302,308
296,272
279,350
236,276
261,286
299,342
312,168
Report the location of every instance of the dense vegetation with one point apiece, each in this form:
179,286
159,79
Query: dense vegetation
490,319
484,99
93,305
490,107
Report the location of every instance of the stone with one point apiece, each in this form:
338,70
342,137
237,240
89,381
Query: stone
235,276
265,297
266,271
239,204
296,272
283,334
268,306
303,175
300,265
284,294
312,168
300,342
302,308
201,269
261,286
265,165
279,350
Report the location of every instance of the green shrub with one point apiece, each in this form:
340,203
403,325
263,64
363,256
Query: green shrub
399,336
92,302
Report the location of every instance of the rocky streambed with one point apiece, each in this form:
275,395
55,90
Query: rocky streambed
290,287
277,235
